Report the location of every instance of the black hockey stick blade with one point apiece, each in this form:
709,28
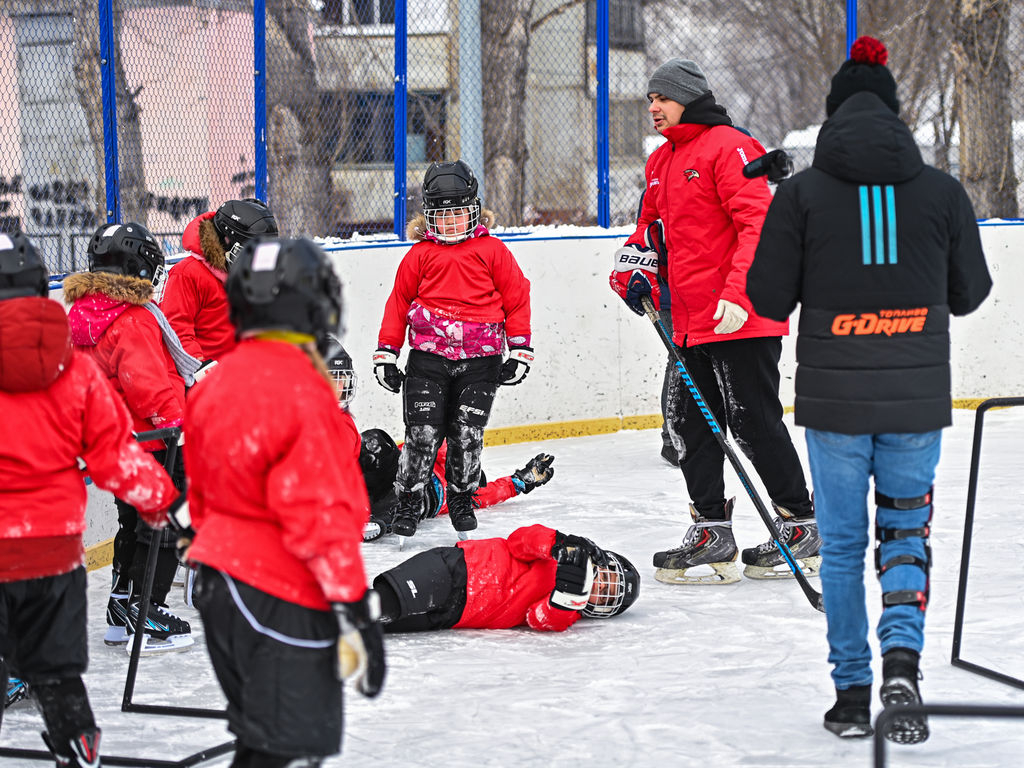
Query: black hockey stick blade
811,593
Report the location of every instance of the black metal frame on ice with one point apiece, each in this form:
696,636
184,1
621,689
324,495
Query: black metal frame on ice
170,436
942,710
812,594
965,557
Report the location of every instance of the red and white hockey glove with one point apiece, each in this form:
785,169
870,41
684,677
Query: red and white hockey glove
636,275
385,368
515,368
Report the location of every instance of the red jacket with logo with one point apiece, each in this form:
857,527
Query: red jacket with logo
277,500
195,302
509,582
712,217
57,406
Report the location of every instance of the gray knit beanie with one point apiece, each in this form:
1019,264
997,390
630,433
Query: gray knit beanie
680,80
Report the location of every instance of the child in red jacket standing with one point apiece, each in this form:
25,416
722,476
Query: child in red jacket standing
114,321
461,295
57,406
537,577
279,505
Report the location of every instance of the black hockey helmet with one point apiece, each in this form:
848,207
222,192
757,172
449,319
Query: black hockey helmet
239,221
339,363
22,270
378,458
448,188
286,285
617,587
126,249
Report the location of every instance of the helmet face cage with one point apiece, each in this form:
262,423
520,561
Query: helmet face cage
126,249
339,363
450,203
610,590
453,224
22,271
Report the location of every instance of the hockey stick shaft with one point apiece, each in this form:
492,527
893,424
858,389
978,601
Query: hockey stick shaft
812,594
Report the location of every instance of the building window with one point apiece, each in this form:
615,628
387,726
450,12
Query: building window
364,13
625,24
359,127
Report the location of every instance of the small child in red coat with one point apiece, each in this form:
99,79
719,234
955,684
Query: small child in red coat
461,295
537,577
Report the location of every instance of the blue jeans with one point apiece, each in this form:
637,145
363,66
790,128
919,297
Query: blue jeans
903,466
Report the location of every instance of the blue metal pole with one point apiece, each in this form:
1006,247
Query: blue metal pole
604,203
109,97
259,32
401,111
851,24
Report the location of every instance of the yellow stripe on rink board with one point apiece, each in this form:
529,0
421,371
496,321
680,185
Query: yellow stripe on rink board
99,555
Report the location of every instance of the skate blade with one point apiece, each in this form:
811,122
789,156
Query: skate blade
116,636
179,577
401,543
850,730
153,646
723,573
809,566
188,588
463,535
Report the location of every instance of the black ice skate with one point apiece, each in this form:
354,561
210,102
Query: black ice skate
800,534
707,542
379,523
117,611
408,513
16,691
164,632
850,718
900,674
460,510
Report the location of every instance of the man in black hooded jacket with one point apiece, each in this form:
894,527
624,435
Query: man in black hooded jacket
880,249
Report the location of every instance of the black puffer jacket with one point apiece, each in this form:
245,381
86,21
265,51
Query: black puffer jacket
880,249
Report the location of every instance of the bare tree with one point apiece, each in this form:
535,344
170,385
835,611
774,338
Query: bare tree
88,75
505,33
983,80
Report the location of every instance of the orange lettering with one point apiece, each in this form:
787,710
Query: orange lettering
884,326
905,323
917,324
866,324
842,324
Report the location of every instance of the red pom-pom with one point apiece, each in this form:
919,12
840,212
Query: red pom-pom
868,50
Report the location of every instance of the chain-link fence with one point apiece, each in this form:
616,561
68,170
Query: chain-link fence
545,99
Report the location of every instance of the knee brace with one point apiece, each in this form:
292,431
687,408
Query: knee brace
423,402
885,535
473,407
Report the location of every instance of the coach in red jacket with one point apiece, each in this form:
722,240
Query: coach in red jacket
57,409
711,217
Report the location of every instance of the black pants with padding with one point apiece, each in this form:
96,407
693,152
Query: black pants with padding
43,642
275,661
425,592
446,399
739,380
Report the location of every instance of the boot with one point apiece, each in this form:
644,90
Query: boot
900,673
850,718
707,542
460,510
407,513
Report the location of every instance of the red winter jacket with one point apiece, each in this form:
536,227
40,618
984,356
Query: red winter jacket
56,406
510,582
712,217
477,280
195,302
124,339
277,499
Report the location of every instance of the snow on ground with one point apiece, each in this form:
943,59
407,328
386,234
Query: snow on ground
690,676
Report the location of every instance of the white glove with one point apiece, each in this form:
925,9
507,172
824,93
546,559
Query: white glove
733,316
204,369
385,368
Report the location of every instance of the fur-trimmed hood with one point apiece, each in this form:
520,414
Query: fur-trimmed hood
200,239
97,299
416,229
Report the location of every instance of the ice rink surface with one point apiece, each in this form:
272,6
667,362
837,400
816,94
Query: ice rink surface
690,676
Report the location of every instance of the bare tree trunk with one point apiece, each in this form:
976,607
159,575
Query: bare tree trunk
300,179
505,33
88,78
983,90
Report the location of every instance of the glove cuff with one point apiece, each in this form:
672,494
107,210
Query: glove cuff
384,356
522,354
359,614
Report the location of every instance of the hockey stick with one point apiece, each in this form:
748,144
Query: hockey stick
812,594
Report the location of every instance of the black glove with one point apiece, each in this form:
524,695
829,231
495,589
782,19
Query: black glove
536,472
514,369
181,522
565,541
361,643
385,368
573,579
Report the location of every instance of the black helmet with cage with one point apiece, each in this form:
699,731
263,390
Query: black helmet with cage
285,285
22,269
126,249
450,195
339,363
615,588
239,221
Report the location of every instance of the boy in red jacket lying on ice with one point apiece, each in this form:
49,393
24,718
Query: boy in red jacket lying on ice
537,576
